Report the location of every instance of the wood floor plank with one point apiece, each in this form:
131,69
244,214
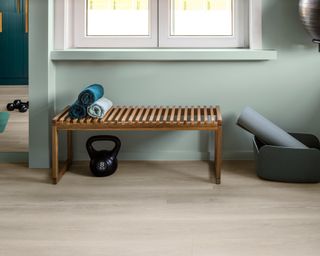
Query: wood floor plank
156,208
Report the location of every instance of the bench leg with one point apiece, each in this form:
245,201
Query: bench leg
70,150
57,171
218,154
55,155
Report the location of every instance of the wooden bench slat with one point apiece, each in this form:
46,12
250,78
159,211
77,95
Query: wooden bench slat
212,113
103,119
153,112
166,113
126,115
146,114
159,115
119,115
89,120
134,120
179,121
199,115
58,116
192,116
132,116
138,118
112,115
74,120
205,114
172,116
64,117
185,116
218,114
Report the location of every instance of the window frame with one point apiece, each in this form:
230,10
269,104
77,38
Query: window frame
67,30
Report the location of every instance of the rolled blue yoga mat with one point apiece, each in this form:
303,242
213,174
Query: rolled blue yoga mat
77,111
90,94
265,130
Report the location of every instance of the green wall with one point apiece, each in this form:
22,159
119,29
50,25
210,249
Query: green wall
286,90
41,82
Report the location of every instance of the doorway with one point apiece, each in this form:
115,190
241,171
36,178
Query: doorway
14,35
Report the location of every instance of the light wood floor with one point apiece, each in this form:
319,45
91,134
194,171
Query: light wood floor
156,208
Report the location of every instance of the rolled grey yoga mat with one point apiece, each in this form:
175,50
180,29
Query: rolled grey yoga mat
267,131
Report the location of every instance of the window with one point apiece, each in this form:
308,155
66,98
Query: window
203,23
201,18
115,23
159,23
126,18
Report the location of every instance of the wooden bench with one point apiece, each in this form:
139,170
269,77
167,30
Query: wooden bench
124,118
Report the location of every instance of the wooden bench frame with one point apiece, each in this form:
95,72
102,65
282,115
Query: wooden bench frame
138,119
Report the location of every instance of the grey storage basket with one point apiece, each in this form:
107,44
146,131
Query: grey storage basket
289,164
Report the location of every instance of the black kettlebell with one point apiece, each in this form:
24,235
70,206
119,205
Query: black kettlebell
104,162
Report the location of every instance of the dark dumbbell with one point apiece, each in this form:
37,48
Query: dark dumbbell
18,104
10,107
23,108
15,105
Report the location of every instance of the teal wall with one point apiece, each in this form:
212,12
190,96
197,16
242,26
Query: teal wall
286,90
13,44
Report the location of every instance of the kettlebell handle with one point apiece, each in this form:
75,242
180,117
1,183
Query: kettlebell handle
93,139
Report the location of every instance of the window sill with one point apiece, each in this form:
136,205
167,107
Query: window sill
163,55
